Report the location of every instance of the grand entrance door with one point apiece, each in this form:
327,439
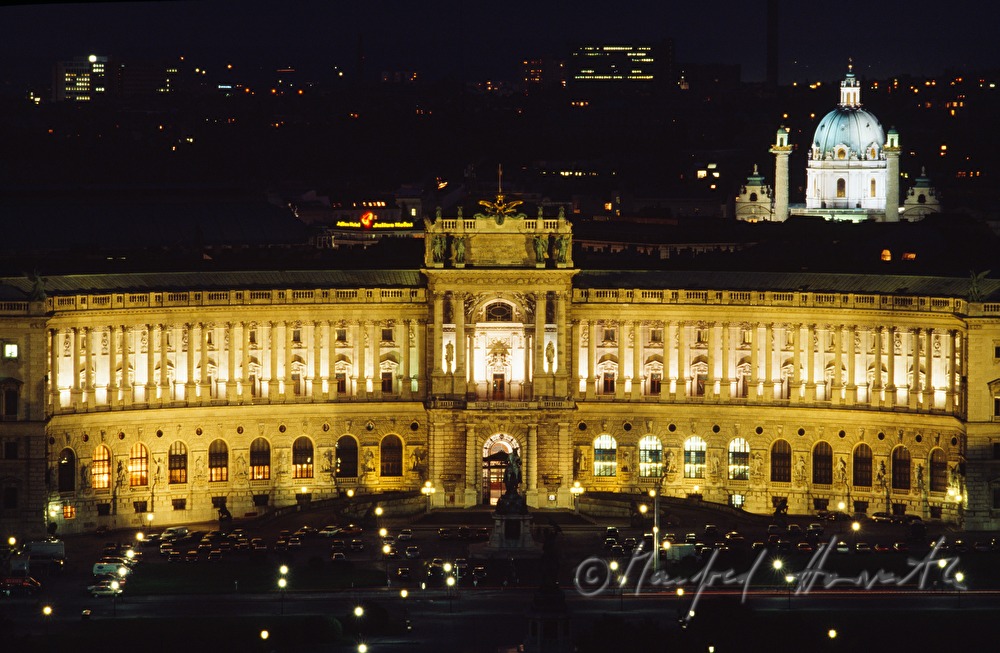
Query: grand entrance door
493,487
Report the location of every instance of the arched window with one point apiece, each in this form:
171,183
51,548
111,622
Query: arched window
499,312
694,457
260,460
900,468
873,187
177,463
347,457
605,456
739,460
939,471
100,469
302,458
863,466
67,471
753,197
391,454
822,464
218,461
841,186
781,462
650,456
138,465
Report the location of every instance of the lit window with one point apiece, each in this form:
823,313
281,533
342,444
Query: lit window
177,463
739,460
10,350
391,455
69,512
260,460
605,456
138,466
650,456
302,458
694,457
218,461
100,469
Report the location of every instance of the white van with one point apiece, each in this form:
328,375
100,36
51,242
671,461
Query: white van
173,533
102,568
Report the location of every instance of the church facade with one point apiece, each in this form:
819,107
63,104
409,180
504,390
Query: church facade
138,399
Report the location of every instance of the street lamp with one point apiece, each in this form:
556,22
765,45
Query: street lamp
959,577
264,634
115,585
576,491
385,555
789,580
282,584
450,582
855,527
149,520
427,490
656,529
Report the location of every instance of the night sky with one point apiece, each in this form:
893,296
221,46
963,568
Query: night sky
480,40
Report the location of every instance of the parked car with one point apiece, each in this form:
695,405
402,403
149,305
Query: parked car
405,534
814,529
403,573
105,588
412,552
357,545
352,529
881,517
329,531
338,556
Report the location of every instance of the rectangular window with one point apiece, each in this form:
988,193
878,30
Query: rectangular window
69,512
700,380
860,507
297,383
139,506
655,379
103,509
341,378
10,450
746,336
656,335
936,510
260,500
9,406
218,502
179,504
609,383
996,451
10,350
387,383
387,335
821,504
609,335
701,336
996,351
996,406
253,336
341,335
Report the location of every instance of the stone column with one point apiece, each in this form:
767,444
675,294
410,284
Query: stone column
837,383
231,362
666,376
421,373
473,465
150,364
574,353
795,382
620,378
358,387
273,383
769,362
374,341
890,390
876,389
76,391
405,384
683,368
437,341
562,345
189,385
473,385
54,350
753,392
952,373
246,391
331,362
809,349
541,301
128,396
852,359
289,390
725,389
88,366
928,389
712,355
592,360
637,360
531,472
461,344
166,394
913,389
113,401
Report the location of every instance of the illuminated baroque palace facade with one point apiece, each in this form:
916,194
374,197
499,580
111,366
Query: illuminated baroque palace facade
139,397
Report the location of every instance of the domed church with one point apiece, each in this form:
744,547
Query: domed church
852,171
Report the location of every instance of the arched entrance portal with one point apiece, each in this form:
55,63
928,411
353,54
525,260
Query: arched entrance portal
493,487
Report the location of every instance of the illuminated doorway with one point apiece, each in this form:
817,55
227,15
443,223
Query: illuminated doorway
498,387
493,487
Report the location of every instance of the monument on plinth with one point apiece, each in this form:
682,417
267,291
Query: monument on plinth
511,522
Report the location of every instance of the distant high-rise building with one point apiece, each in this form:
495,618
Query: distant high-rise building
620,64
83,79
543,72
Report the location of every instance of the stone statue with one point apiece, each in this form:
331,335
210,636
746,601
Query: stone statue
541,248
975,290
512,474
550,353
122,473
449,354
84,477
37,293
756,465
437,249
920,477
563,244
800,469
842,470
880,477
671,465
460,250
